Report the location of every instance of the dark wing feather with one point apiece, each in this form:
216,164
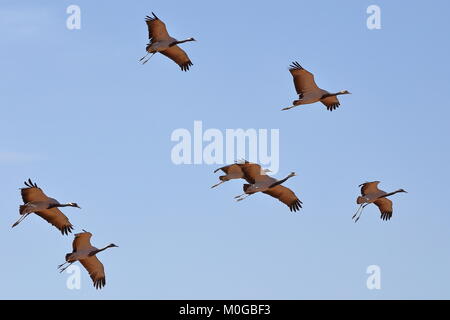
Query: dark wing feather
32,193
156,29
96,271
178,55
331,102
55,217
285,195
385,206
369,187
303,79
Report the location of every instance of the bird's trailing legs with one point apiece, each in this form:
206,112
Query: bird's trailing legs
20,220
145,61
144,56
242,196
287,108
62,270
217,184
360,210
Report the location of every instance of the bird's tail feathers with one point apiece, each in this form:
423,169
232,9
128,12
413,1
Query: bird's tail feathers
23,209
360,200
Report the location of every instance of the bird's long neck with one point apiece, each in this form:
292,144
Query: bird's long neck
59,205
280,181
182,41
326,95
390,193
99,250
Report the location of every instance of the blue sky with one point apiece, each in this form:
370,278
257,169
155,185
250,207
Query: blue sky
89,124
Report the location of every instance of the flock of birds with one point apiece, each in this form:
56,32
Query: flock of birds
36,201
258,181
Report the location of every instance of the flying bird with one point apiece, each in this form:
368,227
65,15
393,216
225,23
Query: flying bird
371,194
259,181
84,252
162,42
232,171
309,92
36,201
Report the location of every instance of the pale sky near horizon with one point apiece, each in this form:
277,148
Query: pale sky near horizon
89,124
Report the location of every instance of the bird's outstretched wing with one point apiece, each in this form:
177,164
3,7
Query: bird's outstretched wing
82,241
32,192
178,55
96,270
156,29
231,168
369,187
285,195
385,206
303,79
55,217
332,102
225,168
253,173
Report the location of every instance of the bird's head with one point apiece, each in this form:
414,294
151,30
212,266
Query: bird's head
402,190
112,245
292,174
73,204
345,92
191,39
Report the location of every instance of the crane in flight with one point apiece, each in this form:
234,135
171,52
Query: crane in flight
259,181
160,41
83,251
308,91
35,200
371,194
